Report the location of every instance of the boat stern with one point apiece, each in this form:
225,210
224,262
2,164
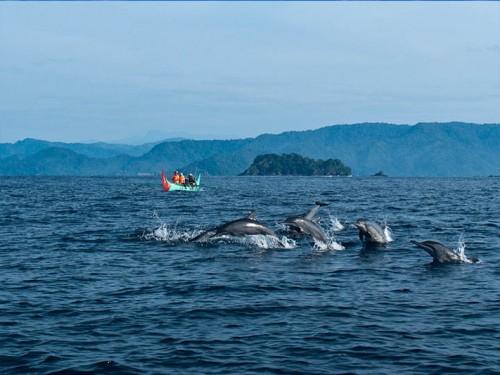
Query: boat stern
164,181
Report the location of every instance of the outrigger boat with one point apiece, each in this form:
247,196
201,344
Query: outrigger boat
170,186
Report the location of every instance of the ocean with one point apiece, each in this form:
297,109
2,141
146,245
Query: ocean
97,276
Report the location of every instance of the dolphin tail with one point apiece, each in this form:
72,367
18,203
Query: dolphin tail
313,211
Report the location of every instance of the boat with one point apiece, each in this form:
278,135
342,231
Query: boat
170,186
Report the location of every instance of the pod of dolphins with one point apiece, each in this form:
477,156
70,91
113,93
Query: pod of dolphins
306,224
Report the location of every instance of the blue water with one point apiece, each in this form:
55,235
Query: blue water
89,284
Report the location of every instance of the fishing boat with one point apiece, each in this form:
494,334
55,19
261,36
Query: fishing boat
170,186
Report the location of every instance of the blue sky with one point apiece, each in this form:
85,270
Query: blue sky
118,70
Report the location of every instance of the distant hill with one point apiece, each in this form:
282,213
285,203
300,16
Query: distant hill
60,161
176,155
427,149
295,165
446,149
57,161
30,146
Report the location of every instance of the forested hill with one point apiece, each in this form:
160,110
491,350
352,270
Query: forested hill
434,149
430,149
295,165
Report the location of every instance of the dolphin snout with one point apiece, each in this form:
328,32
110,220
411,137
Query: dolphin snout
419,244
359,225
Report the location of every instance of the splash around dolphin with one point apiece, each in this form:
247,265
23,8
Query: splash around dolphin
247,225
305,224
371,232
443,254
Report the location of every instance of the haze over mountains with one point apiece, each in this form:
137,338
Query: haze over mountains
427,149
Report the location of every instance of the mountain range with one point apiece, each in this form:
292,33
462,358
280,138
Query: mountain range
424,149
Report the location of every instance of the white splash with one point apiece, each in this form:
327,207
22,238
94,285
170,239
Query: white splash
268,242
168,233
388,234
389,237
460,251
171,234
258,240
331,245
335,224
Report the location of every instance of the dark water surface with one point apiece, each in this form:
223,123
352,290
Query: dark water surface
86,286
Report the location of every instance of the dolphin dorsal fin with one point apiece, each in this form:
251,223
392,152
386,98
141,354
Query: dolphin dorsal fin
252,216
313,211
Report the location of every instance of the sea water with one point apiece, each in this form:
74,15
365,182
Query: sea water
98,276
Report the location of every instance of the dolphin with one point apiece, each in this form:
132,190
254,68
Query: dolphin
370,232
247,225
441,253
305,224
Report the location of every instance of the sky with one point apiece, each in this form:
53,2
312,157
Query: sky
128,71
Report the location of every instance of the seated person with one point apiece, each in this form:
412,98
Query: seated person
175,178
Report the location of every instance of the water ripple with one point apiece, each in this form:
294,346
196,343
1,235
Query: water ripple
98,276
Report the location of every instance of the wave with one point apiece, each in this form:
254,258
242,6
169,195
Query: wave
331,243
166,233
460,251
335,224
172,235
388,233
260,241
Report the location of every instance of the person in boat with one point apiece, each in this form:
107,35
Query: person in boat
175,178
191,180
182,179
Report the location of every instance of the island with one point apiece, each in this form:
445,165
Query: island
379,174
295,165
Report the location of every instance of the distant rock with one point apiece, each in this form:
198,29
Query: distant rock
379,174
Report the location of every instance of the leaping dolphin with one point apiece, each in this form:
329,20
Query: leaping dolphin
371,232
247,225
441,253
305,224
